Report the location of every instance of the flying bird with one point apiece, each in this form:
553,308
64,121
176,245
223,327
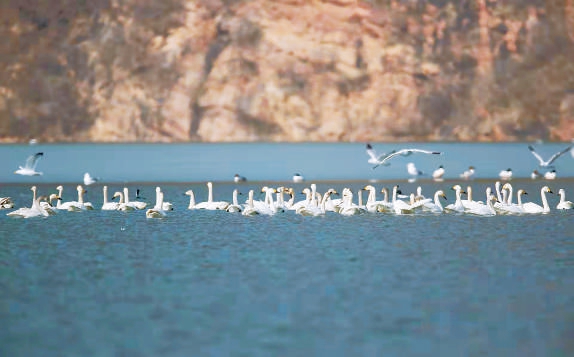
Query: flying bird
548,163
29,168
374,157
88,179
404,152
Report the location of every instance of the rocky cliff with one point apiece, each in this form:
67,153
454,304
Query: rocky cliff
286,70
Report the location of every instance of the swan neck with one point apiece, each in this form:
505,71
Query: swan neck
544,200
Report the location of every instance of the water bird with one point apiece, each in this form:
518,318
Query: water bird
238,178
548,163
404,152
297,178
157,211
535,175
550,175
6,203
413,171
89,179
563,204
438,174
531,207
29,168
505,174
468,174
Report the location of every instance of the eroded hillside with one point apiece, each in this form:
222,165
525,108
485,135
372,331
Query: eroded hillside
290,70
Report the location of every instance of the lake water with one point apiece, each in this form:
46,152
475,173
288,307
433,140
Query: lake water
211,283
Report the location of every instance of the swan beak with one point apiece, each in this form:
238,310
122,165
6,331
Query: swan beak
399,192
444,196
463,192
524,193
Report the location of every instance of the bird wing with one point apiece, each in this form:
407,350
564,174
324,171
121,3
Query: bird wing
373,154
32,161
536,155
558,154
386,158
405,152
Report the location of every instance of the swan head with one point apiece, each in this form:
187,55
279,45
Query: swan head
507,186
209,184
189,192
33,188
561,191
521,192
547,189
369,188
60,187
440,193
80,189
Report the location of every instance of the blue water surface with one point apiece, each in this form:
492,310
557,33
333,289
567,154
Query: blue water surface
212,283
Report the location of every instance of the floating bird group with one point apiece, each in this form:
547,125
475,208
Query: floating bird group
499,201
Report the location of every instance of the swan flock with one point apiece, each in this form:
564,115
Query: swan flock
501,199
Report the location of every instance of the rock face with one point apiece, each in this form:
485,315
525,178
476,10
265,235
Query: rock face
287,70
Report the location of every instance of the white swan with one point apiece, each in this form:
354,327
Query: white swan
311,210
348,208
48,206
135,204
33,211
457,206
307,201
122,204
249,209
157,211
63,205
469,203
210,204
436,206
235,206
79,205
485,209
399,206
108,206
508,206
191,199
563,204
531,207
372,204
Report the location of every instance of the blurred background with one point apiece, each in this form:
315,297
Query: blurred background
286,70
